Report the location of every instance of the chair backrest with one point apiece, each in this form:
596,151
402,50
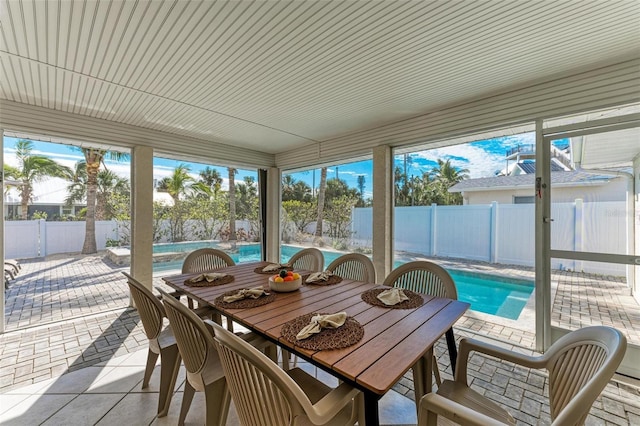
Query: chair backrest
423,277
206,259
354,266
310,259
149,307
263,393
194,338
580,365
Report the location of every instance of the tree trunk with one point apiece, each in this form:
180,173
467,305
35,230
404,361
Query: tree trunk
101,207
25,196
93,165
232,208
321,191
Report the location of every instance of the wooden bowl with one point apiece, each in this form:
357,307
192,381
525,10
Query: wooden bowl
285,286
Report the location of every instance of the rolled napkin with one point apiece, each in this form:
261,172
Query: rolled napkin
319,276
393,296
318,322
209,277
245,293
272,267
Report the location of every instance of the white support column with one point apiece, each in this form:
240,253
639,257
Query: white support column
273,201
142,214
382,210
2,227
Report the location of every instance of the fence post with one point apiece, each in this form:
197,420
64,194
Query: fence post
578,241
432,243
493,233
42,225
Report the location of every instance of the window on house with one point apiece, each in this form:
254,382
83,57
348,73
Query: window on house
529,199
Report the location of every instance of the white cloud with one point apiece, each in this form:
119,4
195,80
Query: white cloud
479,162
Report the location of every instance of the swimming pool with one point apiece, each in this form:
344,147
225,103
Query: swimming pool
491,294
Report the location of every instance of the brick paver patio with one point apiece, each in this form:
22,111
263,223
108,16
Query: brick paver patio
66,313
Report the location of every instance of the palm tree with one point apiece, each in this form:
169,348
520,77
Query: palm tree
288,183
321,193
32,169
446,175
212,178
177,184
361,183
94,159
232,207
108,185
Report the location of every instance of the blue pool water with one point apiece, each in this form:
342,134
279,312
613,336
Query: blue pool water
491,294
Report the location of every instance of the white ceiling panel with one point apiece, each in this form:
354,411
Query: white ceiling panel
272,76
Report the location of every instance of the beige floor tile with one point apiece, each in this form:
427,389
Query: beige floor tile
8,401
75,382
35,409
86,409
134,408
118,380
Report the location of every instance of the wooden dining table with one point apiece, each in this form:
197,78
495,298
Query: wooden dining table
394,341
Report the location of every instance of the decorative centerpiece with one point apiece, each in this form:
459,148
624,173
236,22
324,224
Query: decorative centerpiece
285,281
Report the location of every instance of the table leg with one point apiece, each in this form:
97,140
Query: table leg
427,377
371,409
453,351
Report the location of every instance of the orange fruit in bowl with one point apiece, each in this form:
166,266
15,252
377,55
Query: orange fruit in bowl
288,278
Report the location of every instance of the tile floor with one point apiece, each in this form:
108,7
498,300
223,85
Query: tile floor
110,393
73,351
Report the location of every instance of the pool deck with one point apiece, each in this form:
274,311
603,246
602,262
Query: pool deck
68,313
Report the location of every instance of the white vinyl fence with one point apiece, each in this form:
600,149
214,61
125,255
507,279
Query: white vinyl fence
492,233
26,239
37,238
505,233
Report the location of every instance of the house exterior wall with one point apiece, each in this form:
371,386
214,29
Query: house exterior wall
615,190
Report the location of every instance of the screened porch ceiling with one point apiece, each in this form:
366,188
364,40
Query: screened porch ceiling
277,76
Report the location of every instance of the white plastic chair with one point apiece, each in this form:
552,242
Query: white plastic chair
265,395
161,342
427,278
204,372
580,364
354,266
310,259
207,260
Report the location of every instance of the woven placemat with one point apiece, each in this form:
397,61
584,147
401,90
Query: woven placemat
371,297
348,334
243,303
204,283
259,270
334,279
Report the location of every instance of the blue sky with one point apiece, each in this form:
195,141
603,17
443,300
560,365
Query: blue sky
68,156
481,158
